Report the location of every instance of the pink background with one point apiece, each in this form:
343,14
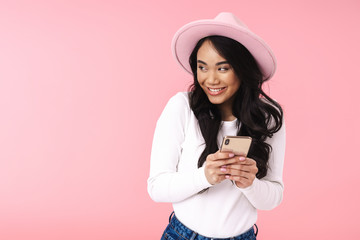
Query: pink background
82,84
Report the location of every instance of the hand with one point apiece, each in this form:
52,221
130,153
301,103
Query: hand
215,165
242,172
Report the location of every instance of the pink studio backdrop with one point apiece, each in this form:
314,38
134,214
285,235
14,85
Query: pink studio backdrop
82,84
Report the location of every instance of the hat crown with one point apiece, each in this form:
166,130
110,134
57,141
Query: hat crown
228,25
229,18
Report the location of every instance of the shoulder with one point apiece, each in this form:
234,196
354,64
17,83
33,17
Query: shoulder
177,104
180,97
179,101
177,112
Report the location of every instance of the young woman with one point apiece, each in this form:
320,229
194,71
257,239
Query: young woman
216,194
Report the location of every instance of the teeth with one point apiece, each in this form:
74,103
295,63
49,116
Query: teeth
215,89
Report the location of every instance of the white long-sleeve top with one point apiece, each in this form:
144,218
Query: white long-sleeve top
225,210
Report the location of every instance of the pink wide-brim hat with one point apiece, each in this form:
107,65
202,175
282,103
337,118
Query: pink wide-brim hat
227,25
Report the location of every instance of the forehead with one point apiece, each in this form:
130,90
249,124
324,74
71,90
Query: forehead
208,53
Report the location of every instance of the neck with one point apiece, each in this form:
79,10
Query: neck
228,117
226,113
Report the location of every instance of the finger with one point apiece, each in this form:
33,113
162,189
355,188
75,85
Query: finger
242,179
234,172
238,173
244,160
235,166
219,156
252,170
223,155
224,162
241,167
247,161
220,178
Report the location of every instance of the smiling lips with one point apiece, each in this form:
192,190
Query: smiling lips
215,91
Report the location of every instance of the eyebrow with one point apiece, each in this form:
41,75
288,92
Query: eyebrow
217,64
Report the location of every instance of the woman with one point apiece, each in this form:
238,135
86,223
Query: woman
216,194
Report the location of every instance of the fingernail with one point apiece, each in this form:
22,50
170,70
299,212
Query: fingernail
223,169
241,158
227,176
231,154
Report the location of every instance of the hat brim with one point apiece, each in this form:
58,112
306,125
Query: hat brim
186,38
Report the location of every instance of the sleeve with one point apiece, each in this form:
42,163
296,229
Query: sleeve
267,193
165,184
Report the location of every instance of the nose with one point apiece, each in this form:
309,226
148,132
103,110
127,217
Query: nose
213,78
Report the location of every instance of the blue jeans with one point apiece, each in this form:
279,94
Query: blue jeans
178,231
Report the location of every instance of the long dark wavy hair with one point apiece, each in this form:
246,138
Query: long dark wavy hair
260,116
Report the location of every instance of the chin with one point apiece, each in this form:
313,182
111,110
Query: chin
215,101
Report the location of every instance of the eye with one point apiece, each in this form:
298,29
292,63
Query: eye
223,69
202,68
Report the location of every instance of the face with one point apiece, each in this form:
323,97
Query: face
216,77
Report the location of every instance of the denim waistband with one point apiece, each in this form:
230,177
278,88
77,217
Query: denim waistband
189,234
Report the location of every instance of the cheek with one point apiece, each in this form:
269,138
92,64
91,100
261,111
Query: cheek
200,79
236,82
201,84
236,87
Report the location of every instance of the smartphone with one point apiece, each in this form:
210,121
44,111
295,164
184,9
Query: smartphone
239,145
